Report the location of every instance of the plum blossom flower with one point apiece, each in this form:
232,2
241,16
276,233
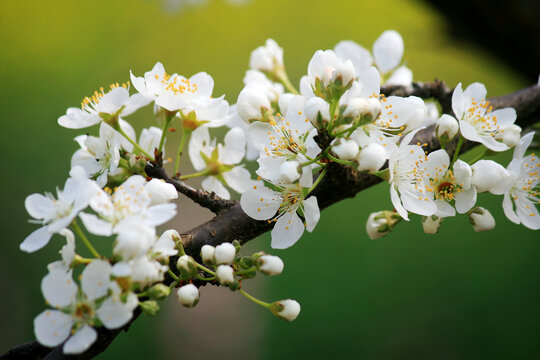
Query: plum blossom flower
262,203
103,106
219,162
285,139
477,120
190,96
409,180
57,214
522,198
130,209
77,312
268,58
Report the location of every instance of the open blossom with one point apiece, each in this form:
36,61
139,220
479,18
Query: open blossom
177,93
477,121
103,106
262,203
220,162
76,315
57,214
450,186
131,205
285,139
409,180
522,198
387,55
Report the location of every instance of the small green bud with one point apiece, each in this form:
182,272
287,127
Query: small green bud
159,291
149,307
234,286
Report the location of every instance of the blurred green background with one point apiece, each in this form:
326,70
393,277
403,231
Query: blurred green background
458,295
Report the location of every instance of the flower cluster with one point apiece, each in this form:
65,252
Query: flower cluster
339,119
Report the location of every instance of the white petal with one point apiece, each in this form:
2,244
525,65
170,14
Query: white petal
401,76
508,208
199,142
159,214
160,191
52,327
349,50
235,147
76,118
388,50
36,240
312,213
260,203
396,201
444,209
39,206
114,313
212,184
476,91
58,288
95,225
135,102
95,279
468,131
287,230
528,213
81,341
465,200
238,179
458,102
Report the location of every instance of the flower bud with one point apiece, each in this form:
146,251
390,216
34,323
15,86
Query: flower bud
345,149
186,264
431,224
289,171
252,105
487,175
224,253
159,291
207,254
510,135
270,265
267,58
374,108
149,307
381,223
355,107
285,309
344,74
225,274
160,192
317,111
371,158
284,101
446,128
481,219
137,164
188,295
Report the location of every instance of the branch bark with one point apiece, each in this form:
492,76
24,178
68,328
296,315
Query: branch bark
340,182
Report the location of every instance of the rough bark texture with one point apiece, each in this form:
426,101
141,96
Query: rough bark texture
340,182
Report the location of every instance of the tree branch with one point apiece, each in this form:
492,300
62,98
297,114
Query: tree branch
340,182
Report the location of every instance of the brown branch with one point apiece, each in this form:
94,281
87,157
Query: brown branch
340,182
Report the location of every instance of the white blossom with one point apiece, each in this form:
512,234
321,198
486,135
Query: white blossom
267,58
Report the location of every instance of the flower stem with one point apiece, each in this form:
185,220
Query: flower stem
456,152
137,146
205,279
281,75
185,135
203,268
315,160
173,275
319,178
85,240
197,174
254,299
339,161
168,119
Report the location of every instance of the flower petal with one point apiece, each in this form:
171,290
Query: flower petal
81,341
36,240
312,213
95,279
287,230
58,288
388,50
260,203
52,327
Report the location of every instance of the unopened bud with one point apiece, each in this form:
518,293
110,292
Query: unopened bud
160,191
186,264
207,254
285,309
371,158
188,295
446,128
136,164
253,105
487,175
225,274
345,149
270,265
317,111
481,219
381,223
159,291
431,224
510,135
224,253
289,171
149,307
